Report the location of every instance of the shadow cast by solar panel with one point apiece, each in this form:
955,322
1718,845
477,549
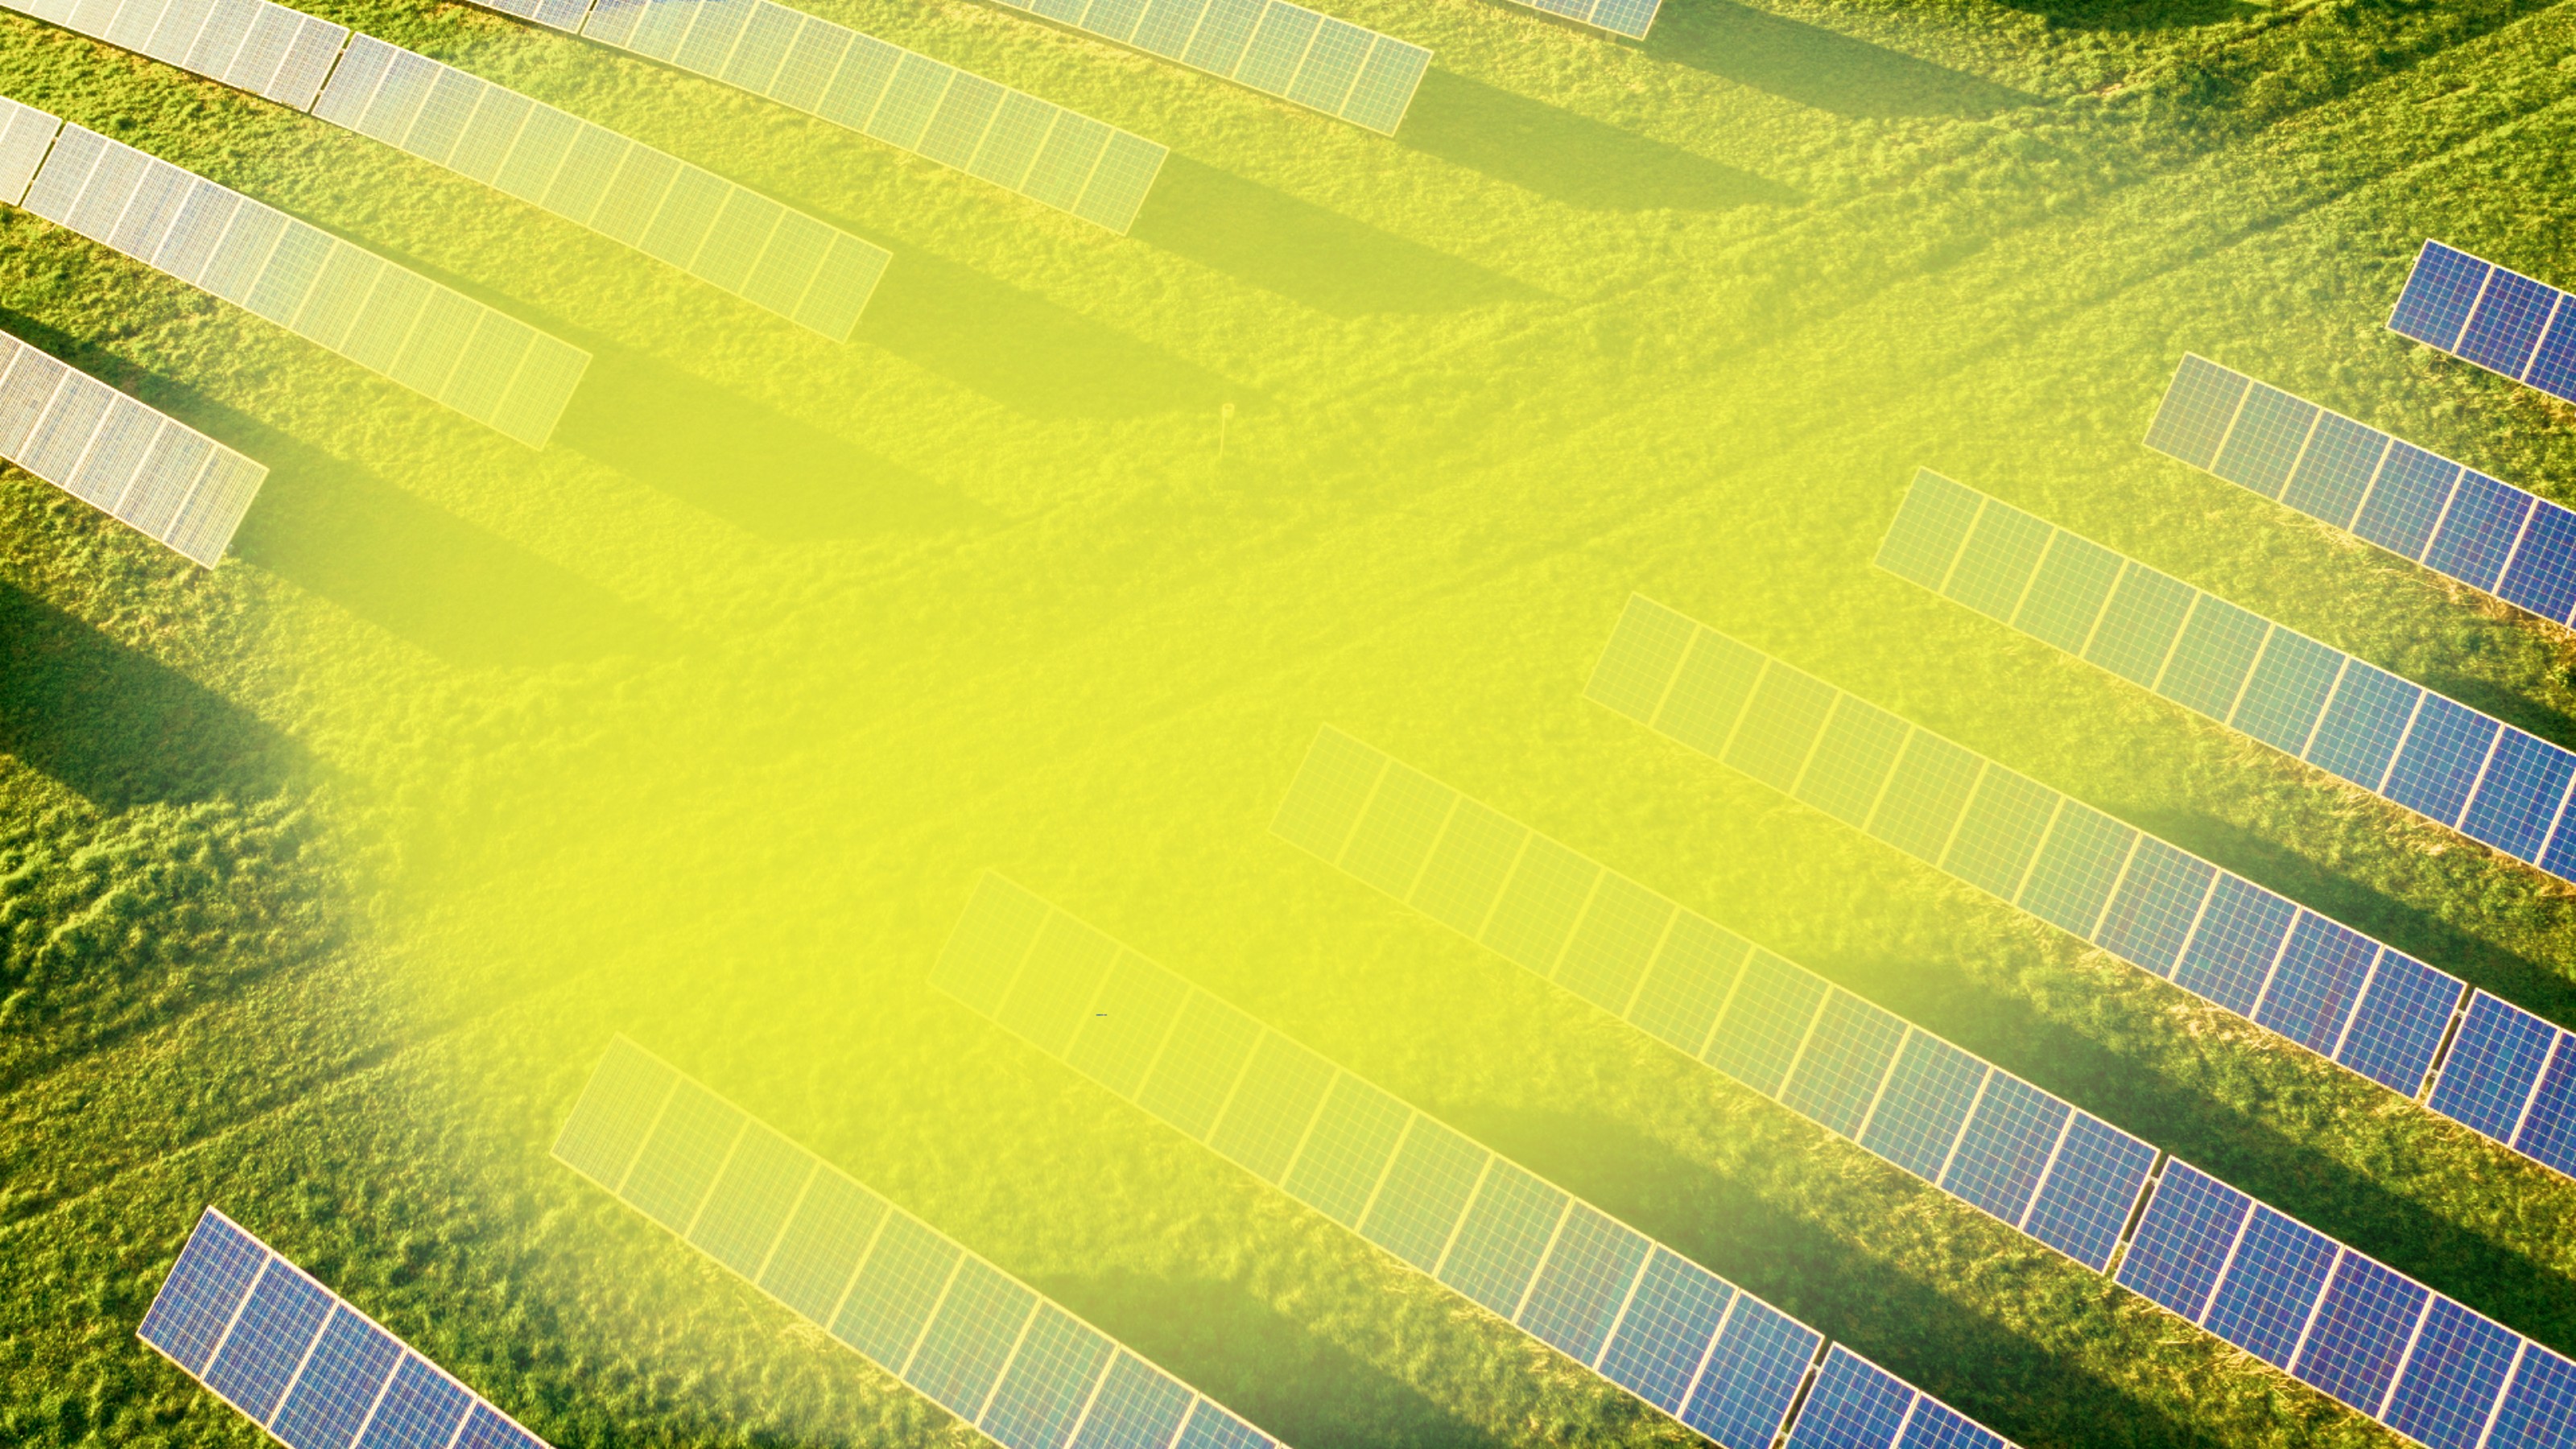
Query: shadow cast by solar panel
750,465
1305,253
2136,14
1965,1356
1571,158
119,728
1275,1372
1818,67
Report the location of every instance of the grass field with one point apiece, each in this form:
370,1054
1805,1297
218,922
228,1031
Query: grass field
326,877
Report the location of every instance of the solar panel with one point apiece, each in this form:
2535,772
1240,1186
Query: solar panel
1988,1138
396,323
1663,1328
962,1332
1855,1404
1631,18
1008,137
2332,990
301,1362
252,45
153,473
2410,745
2501,320
2486,534
1275,47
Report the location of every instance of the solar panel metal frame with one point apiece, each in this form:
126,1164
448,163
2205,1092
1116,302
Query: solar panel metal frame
1008,935
992,1397
2524,576
271,1261
2554,339
1664,644
212,492
1681,942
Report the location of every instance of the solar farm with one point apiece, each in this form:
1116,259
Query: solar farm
1207,724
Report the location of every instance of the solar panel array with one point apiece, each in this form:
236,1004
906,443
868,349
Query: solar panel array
154,473
931,108
1275,47
2453,520
1716,1358
449,348
968,1336
2362,1333
2501,320
2442,760
251,45
1977,1132
1631,18
2234,944
295,1358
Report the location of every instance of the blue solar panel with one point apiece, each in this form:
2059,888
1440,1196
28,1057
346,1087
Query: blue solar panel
2526,782
969,1338
2008,1142
2542,576
2197,408
2151,915
1050,1378
2549,1128
2540,1405
2446,751
2217,651
1213,1428
209,1281
2364,723
2270,432
2183,1240
2553,367
268,1340
1936,1425
2138,629
2448,1389
1854,1405
2264,1301
2317,981
2399,1026
1138,1407
2232,950
2406,499
2335,474
2288,691
2077,867
1661,1339
2085,1200
1752,1375
1496,1252
1759,1036
2505,329
421,1409
2493,1066
2362,1329
1847,1055
2480,531
338,1386
1588,1274
2440,293
485,1428
1925,1105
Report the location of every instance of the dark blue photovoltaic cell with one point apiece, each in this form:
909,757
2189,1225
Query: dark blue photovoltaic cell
2231,953
339,1383
208,1282
2448,1389
2361,1332
2506,328
2271,429
1925,1104
2289,688
2493,1066
1049,1380
1587,1277
2515,804
1213,1428
420,1410
2393,1037
268,1340
1665,1332
2319,977
1854,1405
2439,293
2009,1138
2540,1405
2444,754
2151,913
2335,473
2406,499
2558,857
486,1429
2262,1305
2196,411
2086,1198
1139,1407
2549,1128
2183,1239
2480,531
2553,367
2363,723
1936,1425
2542,576
1752,1376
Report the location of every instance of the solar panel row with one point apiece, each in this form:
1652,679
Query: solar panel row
1855,1404
1719,1360
968,1336
2426,508
2501,320
153,473
1008,137
727,236
251,45
449,348
296,1359
1977,1132
1631,18
1273,46
2361,1332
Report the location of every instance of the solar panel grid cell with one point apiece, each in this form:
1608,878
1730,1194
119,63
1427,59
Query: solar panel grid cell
1848,1056
1751,1378
2441,290
1854,1405
2083,1204
2316,983
2542,576
2521,796
2505,329
350,1365
1495,1254
2452,1381
2406,499
1587,1277
2071,881
2271,430
1766,1022
2361,1332
2548,1131
2269,1293
2184,1240
1925,1105
2000,832
2553,363
2138,628
2199,405
2539,1409
1665,1333
2398,1027
2287,692
2494,1064
2152,912
2445,752
2010,1136
2478,535
267,1343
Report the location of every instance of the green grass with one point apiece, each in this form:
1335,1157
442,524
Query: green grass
325,877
